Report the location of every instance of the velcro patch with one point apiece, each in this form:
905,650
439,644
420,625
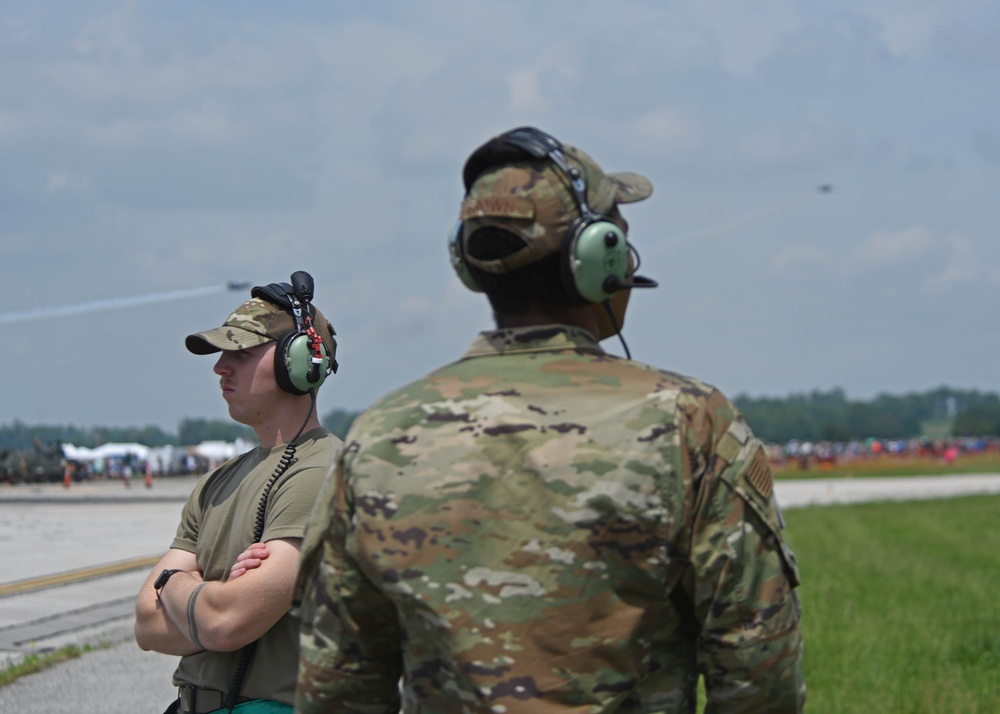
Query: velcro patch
728,448
740,431
733,440
759,474
498,207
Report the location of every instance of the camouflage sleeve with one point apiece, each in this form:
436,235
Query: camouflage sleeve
743,580
350,642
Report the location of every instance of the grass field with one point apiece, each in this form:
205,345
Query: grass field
901,606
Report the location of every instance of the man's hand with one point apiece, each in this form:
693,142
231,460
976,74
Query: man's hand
249,559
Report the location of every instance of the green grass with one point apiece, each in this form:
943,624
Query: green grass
900,605
37,662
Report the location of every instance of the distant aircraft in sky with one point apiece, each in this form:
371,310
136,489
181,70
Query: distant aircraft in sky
826,188
234,285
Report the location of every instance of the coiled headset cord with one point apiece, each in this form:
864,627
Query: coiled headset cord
287,459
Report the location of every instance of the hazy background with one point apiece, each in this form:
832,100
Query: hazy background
151,152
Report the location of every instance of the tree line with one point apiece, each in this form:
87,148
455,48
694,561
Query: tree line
815,416
19,435
831,416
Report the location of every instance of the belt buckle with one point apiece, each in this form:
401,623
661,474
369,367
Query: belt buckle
189,699
186,693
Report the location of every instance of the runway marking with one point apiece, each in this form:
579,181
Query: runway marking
73,576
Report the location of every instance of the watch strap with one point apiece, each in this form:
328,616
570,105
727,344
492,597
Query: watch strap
163,578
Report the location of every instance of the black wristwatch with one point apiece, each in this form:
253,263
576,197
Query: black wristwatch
162,580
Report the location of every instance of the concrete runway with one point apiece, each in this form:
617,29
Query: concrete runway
49,529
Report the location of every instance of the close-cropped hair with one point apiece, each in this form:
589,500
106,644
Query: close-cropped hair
518,291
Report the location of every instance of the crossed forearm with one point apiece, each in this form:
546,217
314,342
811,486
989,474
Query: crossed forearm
179,599
222,616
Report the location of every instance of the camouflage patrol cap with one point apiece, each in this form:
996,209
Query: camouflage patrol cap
533,199
253,323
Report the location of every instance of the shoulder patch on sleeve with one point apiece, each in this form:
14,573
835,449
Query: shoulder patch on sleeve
759,473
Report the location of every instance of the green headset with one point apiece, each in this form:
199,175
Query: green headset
594,252
302,361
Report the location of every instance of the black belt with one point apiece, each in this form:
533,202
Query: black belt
198,700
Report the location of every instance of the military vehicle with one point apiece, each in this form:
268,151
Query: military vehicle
41,464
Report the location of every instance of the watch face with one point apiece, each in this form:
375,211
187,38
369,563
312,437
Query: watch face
162,580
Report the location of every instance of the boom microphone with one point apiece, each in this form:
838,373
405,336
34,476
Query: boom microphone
613,283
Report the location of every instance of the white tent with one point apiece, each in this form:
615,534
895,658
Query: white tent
219,451
105,451
161,457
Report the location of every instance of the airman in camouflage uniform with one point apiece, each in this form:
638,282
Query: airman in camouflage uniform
541,526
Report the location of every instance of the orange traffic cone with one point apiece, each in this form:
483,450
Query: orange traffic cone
66,477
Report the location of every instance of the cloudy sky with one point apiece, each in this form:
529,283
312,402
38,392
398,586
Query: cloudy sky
150,152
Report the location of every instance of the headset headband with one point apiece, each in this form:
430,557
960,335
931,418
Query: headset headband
280,294
290,298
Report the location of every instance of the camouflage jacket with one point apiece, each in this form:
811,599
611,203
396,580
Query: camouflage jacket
543,527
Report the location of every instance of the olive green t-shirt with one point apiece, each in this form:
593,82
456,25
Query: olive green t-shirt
217,524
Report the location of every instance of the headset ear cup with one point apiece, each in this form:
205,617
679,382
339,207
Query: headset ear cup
594,251
293,364
456,252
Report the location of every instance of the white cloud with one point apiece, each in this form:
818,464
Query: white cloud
748,33
239,65
120,133
414,304
811,139
110,36
542,86
945,262
907,28
798,257
211,123
11,126
962,266
668,130
404,55
986,143
885,247
59,180
525,90
66,180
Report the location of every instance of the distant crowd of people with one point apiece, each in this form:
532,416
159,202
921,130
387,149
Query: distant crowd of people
130,465
826,454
